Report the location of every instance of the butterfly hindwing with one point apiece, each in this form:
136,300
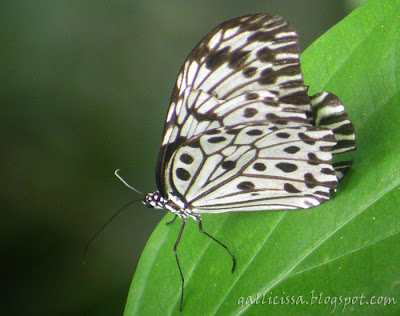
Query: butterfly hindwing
329,112
253,167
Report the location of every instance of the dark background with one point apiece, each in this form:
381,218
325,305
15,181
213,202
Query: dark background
85,87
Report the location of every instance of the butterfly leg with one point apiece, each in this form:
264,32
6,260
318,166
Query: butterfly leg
177,260
220,243
170,222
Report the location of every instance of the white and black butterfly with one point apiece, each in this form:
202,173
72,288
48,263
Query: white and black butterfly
241,133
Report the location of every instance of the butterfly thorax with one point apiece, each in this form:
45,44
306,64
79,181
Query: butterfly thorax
155,200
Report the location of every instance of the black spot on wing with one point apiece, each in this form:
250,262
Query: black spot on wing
186,159
238,58
259,166
310,181
327,171
254,132
233,131
306,139
216,58
344,143
204,116
326,194
250,112
333,119
215,140
269,76
245,185
291,149
270,102
286,167
228,165
276,119
296,98
249,72
314,160
290,188
195,143
345,129
266,55
252,96
182,174
269,35
213,132
282,135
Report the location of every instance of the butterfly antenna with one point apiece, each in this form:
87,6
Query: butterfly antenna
124,182
102,228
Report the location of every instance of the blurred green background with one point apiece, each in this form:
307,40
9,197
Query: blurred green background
85,86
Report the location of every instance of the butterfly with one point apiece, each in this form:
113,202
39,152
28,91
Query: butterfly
241,133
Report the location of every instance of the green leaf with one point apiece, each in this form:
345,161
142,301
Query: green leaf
347,247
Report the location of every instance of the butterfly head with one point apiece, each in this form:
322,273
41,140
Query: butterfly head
154,200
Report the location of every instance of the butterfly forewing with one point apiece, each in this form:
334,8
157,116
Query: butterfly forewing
250,53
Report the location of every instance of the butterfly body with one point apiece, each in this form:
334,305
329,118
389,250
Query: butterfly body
155,200
241,133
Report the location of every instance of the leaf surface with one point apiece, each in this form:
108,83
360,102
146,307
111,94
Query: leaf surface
347,247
